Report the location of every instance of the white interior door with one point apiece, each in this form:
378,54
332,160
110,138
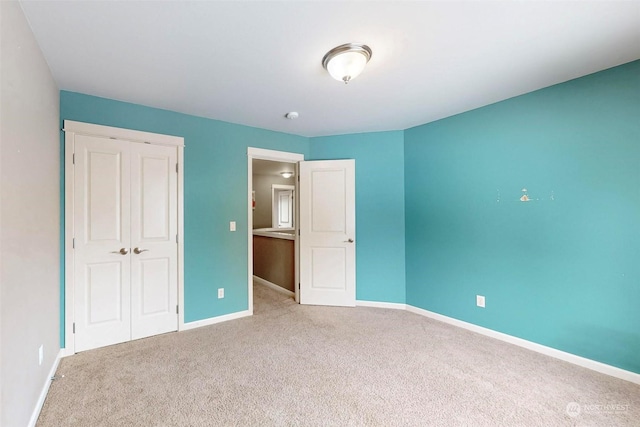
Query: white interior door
154,266
125,228
327,233
285,208
102,242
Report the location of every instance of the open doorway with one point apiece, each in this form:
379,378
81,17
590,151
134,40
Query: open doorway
324,255
274,195
273,224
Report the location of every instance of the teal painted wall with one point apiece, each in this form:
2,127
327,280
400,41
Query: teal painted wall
438,213
562,270
380,272
215,192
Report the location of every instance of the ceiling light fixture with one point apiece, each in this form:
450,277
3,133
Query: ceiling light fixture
286,174
346,61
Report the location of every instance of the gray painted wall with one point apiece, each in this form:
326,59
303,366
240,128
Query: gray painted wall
262,187
29,218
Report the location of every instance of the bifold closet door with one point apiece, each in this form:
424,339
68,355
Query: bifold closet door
125,227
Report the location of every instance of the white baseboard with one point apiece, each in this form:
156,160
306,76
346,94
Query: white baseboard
273,286
539,348
214,320
45,390
65,352
378,304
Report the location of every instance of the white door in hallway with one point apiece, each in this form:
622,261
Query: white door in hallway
284,208
327,233
125,253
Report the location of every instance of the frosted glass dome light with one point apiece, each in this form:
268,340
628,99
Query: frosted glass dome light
346,61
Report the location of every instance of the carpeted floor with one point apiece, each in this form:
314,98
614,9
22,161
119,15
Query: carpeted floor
324,366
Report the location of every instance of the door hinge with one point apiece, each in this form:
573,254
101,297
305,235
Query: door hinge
298,231
176,168
74,327
176,238
73,158
73,243
177,310
298,286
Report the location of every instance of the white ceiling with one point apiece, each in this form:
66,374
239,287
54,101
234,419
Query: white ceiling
251,62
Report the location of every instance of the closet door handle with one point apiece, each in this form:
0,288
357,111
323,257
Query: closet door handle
349,241
122,251
138,251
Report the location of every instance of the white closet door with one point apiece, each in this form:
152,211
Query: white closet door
327,233
102,312
154,271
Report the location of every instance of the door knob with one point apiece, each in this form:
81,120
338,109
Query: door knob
138,251
122,251
349,241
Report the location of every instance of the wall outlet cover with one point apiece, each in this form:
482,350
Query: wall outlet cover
220,293
480,301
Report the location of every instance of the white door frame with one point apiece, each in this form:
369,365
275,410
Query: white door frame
72,128
276,156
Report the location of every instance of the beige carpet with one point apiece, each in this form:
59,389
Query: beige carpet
325,366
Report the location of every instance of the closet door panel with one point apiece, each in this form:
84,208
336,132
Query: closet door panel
102,312
154,289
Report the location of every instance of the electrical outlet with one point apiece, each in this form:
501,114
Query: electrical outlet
40,354
232,226
480,301
220,293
